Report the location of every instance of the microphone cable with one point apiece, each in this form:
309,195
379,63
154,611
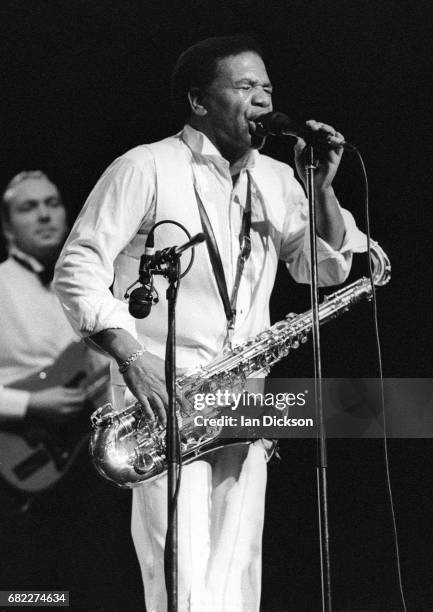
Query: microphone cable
150,234
382,389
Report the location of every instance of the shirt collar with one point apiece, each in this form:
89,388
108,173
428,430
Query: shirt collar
36,266
202,147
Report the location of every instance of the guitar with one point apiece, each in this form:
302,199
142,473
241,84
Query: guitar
34,454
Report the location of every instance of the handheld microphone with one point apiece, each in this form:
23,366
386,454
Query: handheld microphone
279,124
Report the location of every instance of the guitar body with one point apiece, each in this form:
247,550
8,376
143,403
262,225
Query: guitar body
35,455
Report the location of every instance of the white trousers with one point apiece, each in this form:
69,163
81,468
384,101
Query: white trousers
220,524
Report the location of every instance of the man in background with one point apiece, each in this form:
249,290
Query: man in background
33,328
62,538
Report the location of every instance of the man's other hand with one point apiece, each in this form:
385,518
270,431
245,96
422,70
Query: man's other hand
58,404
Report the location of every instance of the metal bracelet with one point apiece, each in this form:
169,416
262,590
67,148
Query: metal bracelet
125,364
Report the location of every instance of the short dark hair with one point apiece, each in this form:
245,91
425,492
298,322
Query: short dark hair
197,67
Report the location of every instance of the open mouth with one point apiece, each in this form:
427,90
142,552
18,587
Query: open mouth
256,127
252,126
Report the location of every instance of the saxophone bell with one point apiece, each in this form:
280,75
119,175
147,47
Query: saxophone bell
125,448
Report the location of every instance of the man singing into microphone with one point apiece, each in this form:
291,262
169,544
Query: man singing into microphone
210,177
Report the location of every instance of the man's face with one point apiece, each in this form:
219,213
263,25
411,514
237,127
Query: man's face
240,93
37,218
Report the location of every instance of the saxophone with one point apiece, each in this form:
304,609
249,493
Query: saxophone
127,449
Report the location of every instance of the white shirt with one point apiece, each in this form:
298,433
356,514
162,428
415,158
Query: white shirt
33,330
166,178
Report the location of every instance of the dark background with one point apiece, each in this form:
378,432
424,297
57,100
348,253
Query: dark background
85,81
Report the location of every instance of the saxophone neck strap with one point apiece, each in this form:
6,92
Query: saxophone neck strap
215,258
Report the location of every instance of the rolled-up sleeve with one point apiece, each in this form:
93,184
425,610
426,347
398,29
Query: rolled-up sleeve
333,265
111,216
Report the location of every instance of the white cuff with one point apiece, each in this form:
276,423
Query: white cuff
13,403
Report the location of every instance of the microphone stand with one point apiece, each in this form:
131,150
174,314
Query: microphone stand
150,265
321,468
172,439
172,273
